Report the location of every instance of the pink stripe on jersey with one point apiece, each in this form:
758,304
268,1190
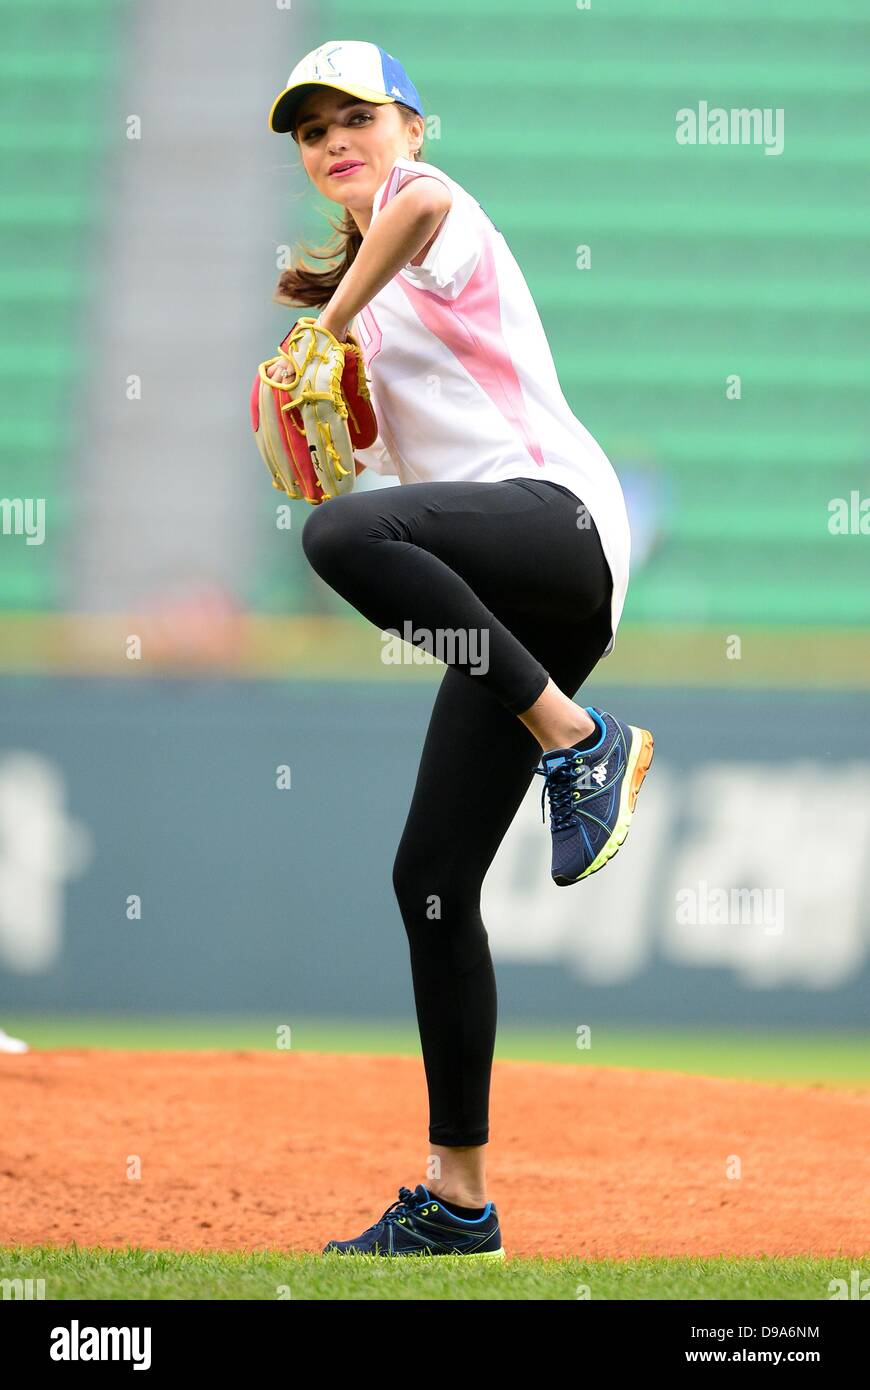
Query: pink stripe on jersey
470,327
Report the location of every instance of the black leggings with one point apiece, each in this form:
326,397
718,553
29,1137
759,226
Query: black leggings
519,565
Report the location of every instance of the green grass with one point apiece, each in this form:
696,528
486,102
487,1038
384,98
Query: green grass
806,1057
72,1272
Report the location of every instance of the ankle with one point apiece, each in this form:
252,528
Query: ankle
458,1197
566,735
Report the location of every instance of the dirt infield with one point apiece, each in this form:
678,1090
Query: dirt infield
248,1150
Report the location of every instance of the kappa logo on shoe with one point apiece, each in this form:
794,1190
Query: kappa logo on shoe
599,774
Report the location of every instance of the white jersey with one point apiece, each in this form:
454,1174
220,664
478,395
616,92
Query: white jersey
463,381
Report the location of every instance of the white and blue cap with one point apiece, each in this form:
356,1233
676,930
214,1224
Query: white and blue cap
361,69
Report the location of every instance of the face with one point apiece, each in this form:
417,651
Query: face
333,128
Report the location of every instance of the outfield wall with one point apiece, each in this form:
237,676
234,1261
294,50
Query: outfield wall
149,861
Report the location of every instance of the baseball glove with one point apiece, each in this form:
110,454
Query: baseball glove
308,419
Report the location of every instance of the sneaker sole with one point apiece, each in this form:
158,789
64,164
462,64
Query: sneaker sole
410,1255
639,759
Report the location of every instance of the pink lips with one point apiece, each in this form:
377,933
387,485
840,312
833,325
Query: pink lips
351,169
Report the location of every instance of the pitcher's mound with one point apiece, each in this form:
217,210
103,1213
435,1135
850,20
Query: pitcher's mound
286,1150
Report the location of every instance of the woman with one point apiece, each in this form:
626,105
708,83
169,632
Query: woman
509,530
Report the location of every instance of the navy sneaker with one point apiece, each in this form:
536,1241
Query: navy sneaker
418,1224
592,795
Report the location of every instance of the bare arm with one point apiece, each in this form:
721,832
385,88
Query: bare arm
400,231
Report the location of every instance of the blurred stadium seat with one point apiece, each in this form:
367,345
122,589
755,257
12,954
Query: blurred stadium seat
706,263
55,68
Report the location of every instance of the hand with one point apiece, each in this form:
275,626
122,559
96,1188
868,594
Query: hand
280,370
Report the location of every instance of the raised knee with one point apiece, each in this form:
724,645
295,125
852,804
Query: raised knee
323,535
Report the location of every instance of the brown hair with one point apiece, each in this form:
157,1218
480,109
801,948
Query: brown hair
303,286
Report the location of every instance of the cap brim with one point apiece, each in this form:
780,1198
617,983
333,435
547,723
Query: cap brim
285,104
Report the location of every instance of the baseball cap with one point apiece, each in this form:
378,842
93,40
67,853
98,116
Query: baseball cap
361,69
